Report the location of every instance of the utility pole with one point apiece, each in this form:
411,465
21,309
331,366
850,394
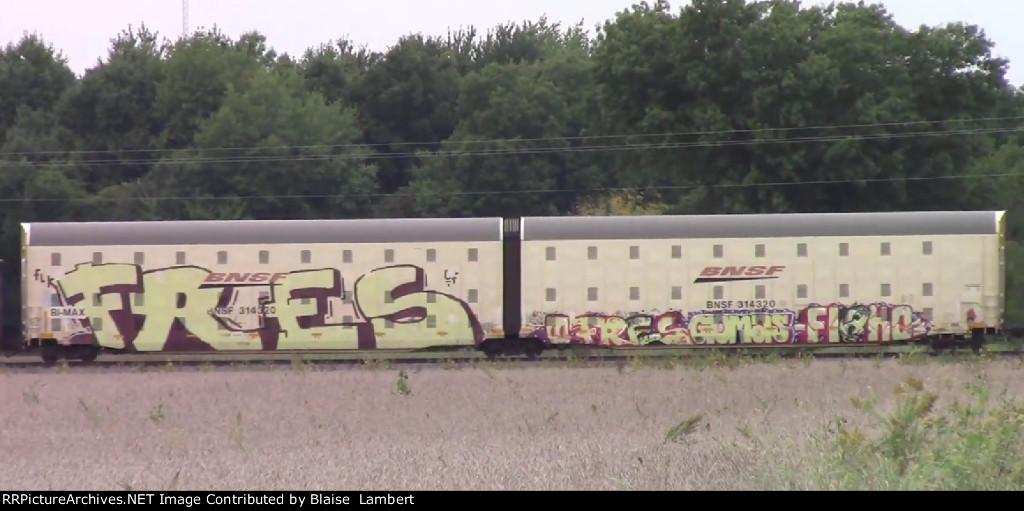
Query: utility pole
184,19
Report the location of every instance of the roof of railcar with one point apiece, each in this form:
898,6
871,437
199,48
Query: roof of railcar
228,232
426,230
914,223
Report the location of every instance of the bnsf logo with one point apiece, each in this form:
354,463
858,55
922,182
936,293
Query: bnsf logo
730,273
241,279
739,271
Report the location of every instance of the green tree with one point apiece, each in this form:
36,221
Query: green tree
760,93
33,76
510,139
109,118
294,158
334,70
407,103
198,73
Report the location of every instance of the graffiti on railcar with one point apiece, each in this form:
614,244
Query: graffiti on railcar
191,308
815,324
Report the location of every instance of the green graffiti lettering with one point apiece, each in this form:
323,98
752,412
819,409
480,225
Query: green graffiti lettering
580,327
671,332
295,318
609,330
557,327
704,330
755,328
289,309
833,325
412,317
903,323
165,290
736,324
636,330
816,324
87,280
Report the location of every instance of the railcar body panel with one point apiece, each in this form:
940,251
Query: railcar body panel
264,285
842,278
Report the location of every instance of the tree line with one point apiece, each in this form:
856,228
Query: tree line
722,106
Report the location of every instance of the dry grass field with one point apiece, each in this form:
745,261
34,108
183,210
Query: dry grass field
717,424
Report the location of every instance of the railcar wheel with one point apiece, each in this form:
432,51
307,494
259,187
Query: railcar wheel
88,353
533,349
491,348
50,353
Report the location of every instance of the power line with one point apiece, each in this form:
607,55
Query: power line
512,151
575,191
541,139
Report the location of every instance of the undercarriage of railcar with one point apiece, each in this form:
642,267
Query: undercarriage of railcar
533,347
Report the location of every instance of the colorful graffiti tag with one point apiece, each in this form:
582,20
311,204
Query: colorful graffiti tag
816,324
189,308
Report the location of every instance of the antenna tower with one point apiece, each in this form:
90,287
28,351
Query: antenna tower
184,18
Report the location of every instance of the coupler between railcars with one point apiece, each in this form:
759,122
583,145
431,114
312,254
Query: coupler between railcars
529,347
975,340
13,347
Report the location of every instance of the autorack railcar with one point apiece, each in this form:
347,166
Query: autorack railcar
199,286
769,279
512,284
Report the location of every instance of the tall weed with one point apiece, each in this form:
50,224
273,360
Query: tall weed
920,445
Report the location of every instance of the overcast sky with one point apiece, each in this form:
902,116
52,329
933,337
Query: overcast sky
82,29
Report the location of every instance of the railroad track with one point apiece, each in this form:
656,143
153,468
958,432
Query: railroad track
588,355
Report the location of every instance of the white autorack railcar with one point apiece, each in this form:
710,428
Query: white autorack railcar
838,278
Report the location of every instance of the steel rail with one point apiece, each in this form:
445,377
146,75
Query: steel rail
574,355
